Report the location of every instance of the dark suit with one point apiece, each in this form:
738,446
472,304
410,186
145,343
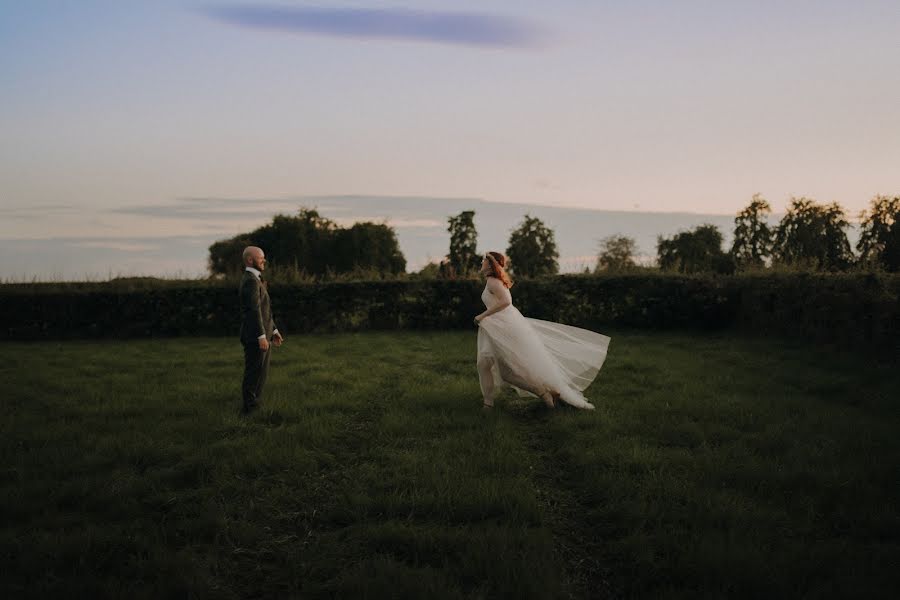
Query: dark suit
256,320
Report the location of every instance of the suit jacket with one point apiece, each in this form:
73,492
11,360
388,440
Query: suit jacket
256,309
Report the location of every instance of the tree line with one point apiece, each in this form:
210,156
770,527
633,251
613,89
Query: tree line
809,236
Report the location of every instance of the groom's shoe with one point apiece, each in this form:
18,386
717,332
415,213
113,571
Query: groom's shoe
249,408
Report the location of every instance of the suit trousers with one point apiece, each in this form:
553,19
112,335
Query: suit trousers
256,368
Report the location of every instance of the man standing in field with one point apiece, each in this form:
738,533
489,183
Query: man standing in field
257,327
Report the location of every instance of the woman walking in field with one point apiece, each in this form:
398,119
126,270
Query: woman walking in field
534,357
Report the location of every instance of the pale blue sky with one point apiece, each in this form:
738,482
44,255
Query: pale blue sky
679,105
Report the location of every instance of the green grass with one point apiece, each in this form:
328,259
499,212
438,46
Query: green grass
713,466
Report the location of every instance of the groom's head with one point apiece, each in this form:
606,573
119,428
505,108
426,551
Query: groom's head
254,257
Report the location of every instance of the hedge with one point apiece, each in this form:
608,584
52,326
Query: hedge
856,310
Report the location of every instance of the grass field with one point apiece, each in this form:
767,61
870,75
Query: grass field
713,467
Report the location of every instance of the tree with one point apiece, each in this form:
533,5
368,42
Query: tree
616,253
695,251
813,234
752,235
463,257
304,241
891,255
532,249
367,246
225,255
313,244
430,271
879,240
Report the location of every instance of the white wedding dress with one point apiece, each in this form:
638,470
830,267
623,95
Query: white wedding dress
534,356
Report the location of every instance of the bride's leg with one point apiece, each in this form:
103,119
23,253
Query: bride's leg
486,379
520,382
549,398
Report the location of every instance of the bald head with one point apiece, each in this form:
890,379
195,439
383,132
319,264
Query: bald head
254,257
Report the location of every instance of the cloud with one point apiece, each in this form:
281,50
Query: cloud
466,29
227,209
403,209
543,184
395,223
117,245
32,213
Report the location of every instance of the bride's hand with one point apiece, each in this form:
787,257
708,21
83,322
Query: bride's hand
478,319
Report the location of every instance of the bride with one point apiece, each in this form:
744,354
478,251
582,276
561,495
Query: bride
536,358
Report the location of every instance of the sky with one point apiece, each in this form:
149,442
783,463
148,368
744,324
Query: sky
638,105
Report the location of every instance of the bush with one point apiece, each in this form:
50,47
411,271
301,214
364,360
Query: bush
860,310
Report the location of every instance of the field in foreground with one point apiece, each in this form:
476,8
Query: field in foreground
713,467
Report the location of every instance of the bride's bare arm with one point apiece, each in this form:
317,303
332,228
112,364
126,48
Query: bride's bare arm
502,294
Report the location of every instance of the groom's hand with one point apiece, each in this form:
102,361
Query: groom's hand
278,340
263,344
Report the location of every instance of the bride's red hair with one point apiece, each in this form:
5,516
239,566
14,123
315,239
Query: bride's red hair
498,268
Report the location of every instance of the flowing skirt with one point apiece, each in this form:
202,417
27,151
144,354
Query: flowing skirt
534,356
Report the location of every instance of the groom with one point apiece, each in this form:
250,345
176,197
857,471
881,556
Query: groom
257,327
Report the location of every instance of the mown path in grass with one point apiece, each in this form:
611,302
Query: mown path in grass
714,466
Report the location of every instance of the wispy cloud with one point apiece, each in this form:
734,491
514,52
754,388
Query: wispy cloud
220,209
467,29
32,213
403,210
395,223
117,245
